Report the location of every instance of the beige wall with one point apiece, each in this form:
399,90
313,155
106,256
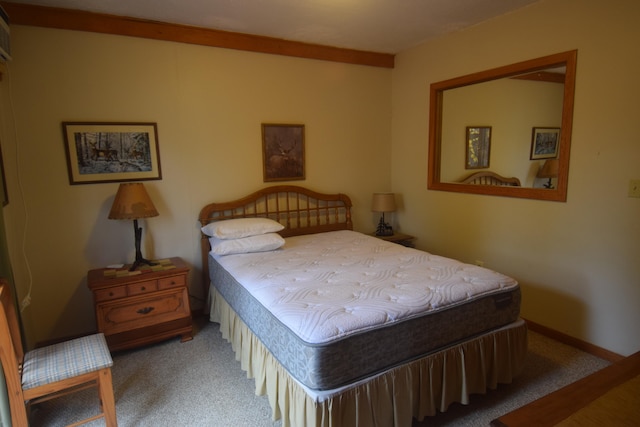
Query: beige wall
579,261
209,105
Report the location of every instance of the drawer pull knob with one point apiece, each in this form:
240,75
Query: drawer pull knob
110,294
145,310
143,288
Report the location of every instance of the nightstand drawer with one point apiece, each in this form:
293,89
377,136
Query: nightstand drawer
135,313
142,287
171,282
111,293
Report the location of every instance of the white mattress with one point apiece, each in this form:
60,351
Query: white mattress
369,282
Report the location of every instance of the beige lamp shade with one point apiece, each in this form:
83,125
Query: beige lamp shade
132,202
383,202
549,169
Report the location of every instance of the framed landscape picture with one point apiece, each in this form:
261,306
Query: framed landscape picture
478,147
283,152
544,143
111,152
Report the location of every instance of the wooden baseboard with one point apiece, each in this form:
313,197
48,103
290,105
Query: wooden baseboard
574,342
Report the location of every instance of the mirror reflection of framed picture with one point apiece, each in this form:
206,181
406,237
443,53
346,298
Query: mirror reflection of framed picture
478,147
544,143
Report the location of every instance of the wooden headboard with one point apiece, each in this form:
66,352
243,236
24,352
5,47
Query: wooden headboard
490,178
300,210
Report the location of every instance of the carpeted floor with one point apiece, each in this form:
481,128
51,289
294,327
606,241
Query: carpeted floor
199,383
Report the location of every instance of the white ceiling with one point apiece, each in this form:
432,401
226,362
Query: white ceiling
385,26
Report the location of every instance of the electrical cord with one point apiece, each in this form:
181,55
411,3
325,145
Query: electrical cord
24,303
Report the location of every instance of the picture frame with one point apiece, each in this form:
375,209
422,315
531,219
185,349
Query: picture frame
103,152
283,152
478,147
544,143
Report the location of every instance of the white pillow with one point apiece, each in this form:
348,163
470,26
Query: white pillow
259,243
241,227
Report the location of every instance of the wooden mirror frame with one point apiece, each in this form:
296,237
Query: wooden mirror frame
564,59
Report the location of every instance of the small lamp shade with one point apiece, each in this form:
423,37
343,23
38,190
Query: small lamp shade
383,202
549,169
132,202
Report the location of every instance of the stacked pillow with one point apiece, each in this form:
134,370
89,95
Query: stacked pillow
243,235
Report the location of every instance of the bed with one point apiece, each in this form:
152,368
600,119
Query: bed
490,178
341,328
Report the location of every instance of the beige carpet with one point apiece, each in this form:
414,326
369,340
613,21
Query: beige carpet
199,383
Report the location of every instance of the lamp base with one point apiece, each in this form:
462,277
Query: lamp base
138,262
384,229
139,258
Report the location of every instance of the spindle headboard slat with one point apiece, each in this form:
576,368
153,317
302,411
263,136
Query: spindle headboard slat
300,210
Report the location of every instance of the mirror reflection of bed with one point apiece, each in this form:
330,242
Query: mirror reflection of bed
342,328
490,178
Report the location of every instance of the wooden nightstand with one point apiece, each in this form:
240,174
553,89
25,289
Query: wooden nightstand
399,238
143,307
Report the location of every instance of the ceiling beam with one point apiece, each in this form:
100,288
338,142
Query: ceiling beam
68,19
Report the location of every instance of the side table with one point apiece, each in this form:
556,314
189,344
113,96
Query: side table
399,238
143,306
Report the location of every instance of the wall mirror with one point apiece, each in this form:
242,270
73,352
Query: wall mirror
529,108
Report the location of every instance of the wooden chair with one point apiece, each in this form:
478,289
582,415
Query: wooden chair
52,371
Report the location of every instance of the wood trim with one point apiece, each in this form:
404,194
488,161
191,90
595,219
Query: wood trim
553,408
574,342
68,19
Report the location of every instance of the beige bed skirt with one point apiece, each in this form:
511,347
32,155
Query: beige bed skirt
393,398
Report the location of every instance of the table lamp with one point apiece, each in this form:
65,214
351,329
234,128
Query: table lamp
549,170
133,202
383,202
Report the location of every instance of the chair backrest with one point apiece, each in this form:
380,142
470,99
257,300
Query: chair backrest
11,351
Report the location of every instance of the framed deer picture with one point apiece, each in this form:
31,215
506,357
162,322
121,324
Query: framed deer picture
111,152
283,152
